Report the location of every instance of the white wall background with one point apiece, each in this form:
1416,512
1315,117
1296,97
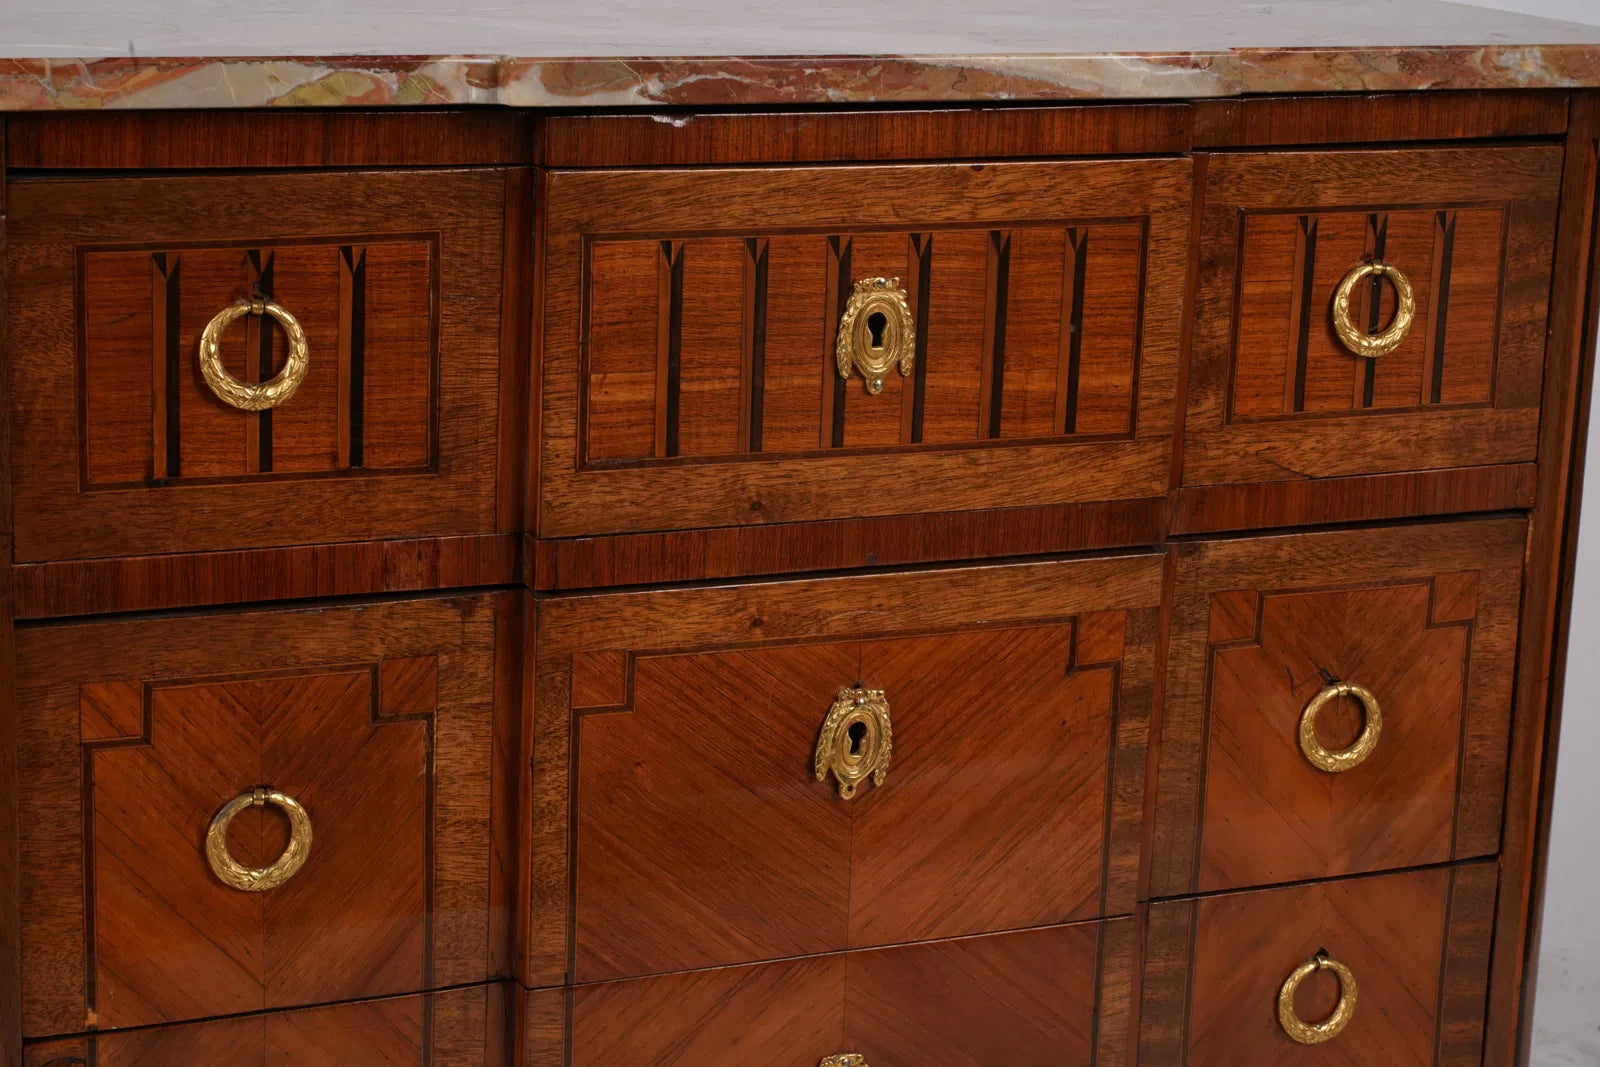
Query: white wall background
1566,1015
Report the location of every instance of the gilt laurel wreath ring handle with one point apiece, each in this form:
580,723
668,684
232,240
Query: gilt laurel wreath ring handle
1347,758
258,879
244,395
1353,337
1302,1032
845,1059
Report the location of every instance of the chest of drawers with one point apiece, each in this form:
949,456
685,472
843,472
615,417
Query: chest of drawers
972,583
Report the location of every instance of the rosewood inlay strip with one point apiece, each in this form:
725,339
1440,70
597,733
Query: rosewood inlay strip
164,364
753,393
1071,358
669,347
352,354
921,282
1305,264
992,382
1444,255
1378,238
839,287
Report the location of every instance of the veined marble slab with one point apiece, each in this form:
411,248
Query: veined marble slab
299,53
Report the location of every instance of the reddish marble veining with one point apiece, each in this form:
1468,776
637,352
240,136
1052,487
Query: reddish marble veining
40,84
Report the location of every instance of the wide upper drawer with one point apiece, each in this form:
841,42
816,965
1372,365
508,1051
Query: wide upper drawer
726,347
787,769
1308,361
250,812
146,314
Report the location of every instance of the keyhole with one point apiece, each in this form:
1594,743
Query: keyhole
877,322
858,734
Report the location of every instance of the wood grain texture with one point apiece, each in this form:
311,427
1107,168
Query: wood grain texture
1328,420
1417,943
51,221
1204,509
858,218
643,140
458,1028
788,646
884,541
180,580
10,857
1424,616
126,924
1360,118
195,140
1055,995
1547,600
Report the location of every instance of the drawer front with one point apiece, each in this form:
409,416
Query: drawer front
1407,770
459,1028
126,447
372,729
1054,996
1415,953
692,347
682,734
1276,391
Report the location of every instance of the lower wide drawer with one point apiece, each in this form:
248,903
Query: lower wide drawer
459,1028
1053,996
1391,969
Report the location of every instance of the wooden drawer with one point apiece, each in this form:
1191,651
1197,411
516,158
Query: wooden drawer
122,447
459,1028
692,320
377,721
1264,630
1416,946
1274,394
676,738
1054,996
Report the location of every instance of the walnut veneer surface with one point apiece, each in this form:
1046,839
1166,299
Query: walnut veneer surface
823,587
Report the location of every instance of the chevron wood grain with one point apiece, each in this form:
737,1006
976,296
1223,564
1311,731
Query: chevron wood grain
381,729
1424,617
1416,942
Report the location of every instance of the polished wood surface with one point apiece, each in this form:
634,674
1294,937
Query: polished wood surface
378,719
651,416
1424,617
459,1028
1547,597
1416,942
1055,995
606,417
392,435
669,813
1273,395
633,140
283,137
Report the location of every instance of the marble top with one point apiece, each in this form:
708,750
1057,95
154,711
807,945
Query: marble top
228,53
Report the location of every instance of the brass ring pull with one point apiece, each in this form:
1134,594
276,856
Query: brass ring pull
1359,341
876,332
845,1059
1348,758
243,395
856,739
1298,1029
259,879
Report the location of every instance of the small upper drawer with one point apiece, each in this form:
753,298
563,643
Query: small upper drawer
1308,363
251,812
725,347
796,768
1336,703
148,313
